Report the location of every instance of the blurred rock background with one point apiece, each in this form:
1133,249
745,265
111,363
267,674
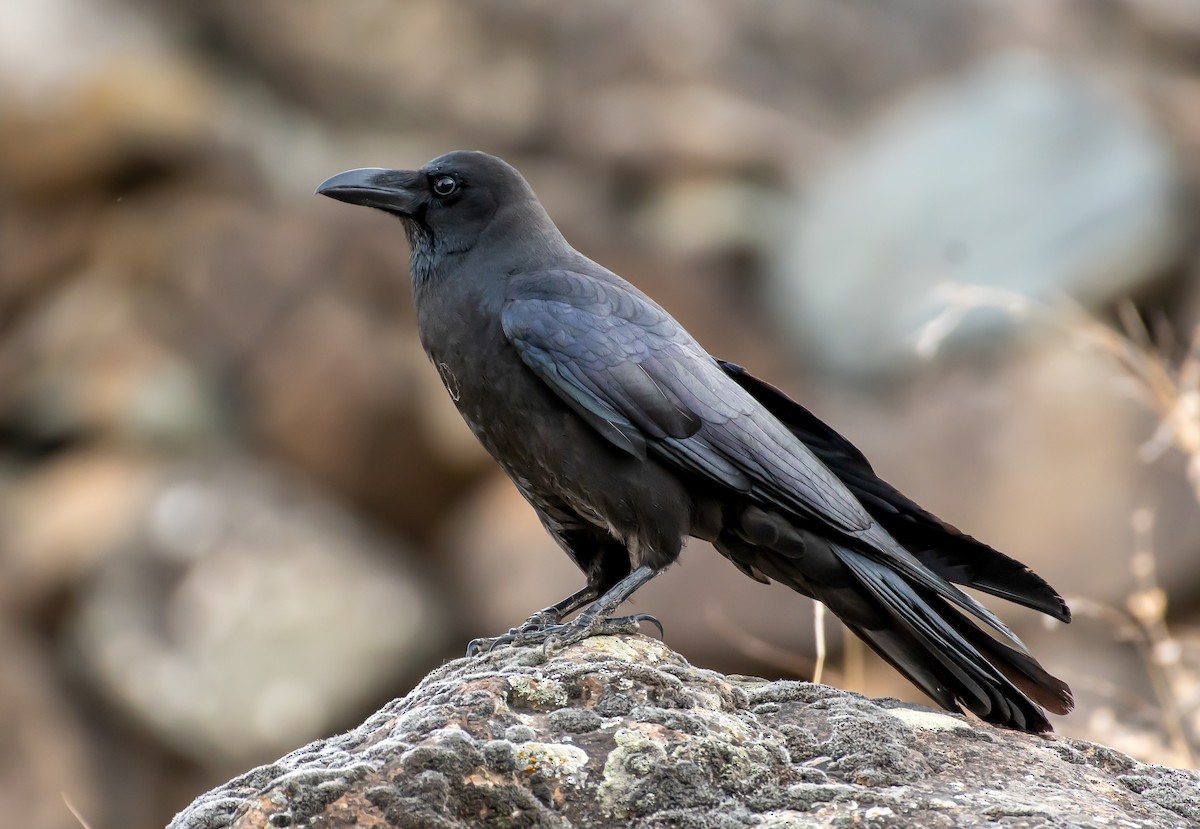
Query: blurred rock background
237,510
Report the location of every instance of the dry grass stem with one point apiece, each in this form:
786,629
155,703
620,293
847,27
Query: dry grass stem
819,635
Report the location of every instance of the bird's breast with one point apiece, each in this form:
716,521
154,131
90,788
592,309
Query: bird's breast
502,402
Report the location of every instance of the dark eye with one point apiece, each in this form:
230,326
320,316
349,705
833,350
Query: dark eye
444,185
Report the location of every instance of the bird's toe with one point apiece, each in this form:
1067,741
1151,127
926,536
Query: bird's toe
482,646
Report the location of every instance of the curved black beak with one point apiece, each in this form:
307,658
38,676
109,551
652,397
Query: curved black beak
401,192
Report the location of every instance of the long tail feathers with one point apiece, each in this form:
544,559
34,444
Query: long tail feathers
945,654
918,631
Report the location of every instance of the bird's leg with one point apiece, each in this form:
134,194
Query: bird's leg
594,621
554,614
547,617
598,618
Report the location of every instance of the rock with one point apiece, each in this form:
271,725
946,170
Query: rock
697,126
616,83
58,522
62,43
86,364
1018,174
621,731
1036,452
248,612
92,95
305,318
1173,23
703,216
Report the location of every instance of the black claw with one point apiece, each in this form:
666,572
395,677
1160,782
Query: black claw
646,617
478,647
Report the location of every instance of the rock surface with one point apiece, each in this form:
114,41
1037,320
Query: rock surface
622,731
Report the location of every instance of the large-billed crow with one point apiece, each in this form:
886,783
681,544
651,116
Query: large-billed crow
626,437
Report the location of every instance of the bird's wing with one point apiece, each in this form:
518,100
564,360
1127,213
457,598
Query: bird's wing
633,373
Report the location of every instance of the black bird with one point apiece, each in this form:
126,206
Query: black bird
626,437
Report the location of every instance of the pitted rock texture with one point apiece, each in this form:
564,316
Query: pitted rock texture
622,731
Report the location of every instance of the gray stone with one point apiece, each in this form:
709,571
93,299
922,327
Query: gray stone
1019,174
249,613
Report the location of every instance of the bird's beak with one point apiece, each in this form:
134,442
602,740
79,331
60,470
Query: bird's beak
401,192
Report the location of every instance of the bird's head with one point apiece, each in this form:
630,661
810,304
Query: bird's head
447,205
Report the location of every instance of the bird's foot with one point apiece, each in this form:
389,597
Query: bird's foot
587,625
552,635
528,632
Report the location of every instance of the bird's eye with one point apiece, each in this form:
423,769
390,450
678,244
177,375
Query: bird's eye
444,185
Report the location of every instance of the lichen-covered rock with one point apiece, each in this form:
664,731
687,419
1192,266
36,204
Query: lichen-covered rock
621,731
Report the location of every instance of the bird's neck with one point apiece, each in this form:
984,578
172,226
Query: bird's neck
522,238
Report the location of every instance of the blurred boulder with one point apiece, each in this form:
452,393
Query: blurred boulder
86,363
90,93
705,216
1171,23
124,116
1017,174
247,613
59,521
1037,455
388,65
609,84
206,316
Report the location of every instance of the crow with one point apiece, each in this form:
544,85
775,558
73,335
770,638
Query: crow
627,437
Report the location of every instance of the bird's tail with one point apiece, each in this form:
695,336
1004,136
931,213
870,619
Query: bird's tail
917,631
946,655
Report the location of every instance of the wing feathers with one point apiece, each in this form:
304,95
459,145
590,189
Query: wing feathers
612,353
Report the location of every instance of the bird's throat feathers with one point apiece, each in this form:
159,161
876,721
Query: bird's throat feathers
424,256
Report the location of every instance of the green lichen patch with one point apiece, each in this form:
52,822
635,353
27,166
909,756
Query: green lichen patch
629,765
528,692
